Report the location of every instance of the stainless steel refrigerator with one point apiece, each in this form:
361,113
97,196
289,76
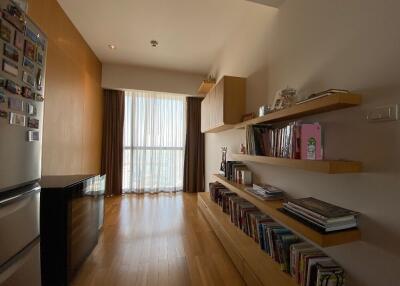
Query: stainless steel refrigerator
23,49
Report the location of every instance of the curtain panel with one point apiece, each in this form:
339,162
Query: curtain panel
154,142
112,143
193,181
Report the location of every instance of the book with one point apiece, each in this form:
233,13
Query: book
326,223
322,209
267,188
322,94
329,274
310,142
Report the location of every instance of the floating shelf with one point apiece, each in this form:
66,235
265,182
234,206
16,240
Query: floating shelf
322,166
320,105
271,208
205,87
219,128
255,266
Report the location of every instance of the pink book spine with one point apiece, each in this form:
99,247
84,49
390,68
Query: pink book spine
311,148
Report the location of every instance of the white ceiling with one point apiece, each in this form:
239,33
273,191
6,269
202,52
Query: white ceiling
191,33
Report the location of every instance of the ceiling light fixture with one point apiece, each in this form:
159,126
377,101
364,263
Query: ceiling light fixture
154,43
112,47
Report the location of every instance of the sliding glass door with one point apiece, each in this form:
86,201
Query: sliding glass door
154,142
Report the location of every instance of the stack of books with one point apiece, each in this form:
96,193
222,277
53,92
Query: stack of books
322,94
238,172
295,141
266,192
320,215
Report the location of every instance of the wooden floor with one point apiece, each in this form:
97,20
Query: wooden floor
157,240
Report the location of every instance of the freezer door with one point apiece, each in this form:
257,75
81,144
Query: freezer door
23,269
19,222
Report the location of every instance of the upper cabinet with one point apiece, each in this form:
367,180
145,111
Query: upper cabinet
224,105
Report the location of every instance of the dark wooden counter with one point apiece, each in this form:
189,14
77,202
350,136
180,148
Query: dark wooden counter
71,214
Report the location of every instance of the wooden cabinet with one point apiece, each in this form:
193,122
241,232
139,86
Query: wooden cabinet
71,217
224,105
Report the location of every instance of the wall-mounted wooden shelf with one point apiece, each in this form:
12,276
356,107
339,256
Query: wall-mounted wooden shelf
271,208
255,266
320,105
205,87
321,166
219,128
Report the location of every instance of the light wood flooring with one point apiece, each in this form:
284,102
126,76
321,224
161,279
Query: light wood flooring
157,240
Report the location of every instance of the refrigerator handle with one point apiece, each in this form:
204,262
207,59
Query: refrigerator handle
20,196
10,267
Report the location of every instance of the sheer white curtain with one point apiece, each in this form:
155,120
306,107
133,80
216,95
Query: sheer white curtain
154,142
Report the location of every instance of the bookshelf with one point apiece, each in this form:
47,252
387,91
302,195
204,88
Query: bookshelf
320,105
255,266
271,208
322,166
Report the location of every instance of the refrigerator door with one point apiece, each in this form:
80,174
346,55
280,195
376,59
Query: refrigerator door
20,159
23,269
23,58
19,222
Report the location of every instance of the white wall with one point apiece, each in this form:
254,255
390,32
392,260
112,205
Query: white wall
314,45
117,76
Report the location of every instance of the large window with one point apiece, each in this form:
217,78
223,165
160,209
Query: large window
154,142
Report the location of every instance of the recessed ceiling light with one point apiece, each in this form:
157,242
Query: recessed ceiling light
112,47
154,43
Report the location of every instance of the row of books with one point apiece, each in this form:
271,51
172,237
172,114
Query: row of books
320,215
294,141
238,172
308,265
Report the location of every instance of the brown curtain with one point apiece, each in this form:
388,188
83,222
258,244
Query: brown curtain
193,178
113,131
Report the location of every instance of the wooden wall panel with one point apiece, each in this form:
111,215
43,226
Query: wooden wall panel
74,103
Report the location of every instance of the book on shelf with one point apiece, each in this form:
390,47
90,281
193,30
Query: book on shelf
322,216
268,189
294,141
322,94
265,196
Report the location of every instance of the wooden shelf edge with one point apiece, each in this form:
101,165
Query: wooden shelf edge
220,128
309,234
321,166
320,105
205,87
243,250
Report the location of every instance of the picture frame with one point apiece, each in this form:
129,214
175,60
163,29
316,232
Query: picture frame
5,32
15,104
28,64
28,78
33,123
27,93
10,52
17,119
15,16
39,57
31,35
13,87
30,50
278,100
39,79
19,40
10,68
